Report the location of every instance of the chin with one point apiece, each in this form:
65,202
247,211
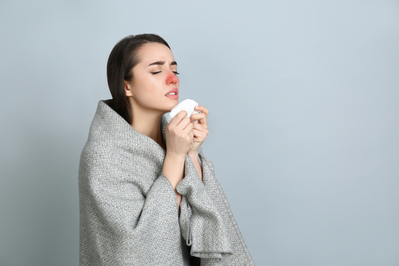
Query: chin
169,107
173,103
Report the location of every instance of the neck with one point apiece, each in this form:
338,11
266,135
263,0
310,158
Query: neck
147,122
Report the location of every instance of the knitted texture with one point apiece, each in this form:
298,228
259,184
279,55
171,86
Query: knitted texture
128,208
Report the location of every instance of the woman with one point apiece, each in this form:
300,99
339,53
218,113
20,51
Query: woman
148,195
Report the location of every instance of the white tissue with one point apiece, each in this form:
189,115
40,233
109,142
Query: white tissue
188,105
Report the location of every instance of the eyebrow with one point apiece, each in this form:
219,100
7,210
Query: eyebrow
174,63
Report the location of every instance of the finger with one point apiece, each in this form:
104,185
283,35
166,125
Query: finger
202,109
184,123
201,128
180,115
189,131
199,135
198,131
201,117
198,127
189,127
197,116
179,118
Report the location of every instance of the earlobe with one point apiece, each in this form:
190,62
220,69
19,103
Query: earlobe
128,91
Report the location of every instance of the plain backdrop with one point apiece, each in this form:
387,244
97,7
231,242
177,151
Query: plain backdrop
303,99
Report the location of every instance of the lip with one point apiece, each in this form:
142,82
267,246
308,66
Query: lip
175,90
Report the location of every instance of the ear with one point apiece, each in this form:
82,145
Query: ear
128,89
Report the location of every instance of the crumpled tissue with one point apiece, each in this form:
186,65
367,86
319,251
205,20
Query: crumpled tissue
188,105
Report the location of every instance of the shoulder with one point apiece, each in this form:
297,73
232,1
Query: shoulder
114,166
96,152
97,162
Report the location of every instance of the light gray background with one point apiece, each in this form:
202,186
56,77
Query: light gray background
303,99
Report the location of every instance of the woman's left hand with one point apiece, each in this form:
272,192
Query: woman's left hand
201,129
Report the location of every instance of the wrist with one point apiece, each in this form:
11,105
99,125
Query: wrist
193,154
173,168
175,156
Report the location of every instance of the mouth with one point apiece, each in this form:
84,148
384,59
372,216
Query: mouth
173,94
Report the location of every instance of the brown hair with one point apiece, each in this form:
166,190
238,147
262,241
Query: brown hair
121,61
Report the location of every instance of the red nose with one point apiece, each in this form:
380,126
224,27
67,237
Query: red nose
172,78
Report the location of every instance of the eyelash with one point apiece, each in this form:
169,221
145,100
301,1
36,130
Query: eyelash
176,73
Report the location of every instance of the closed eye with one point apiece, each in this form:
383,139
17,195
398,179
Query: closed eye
176,73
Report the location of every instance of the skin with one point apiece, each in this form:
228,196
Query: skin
153,77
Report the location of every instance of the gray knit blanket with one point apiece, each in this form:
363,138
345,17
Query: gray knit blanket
128,208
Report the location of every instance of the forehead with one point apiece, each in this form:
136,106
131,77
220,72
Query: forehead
152,52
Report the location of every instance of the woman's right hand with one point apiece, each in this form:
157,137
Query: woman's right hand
179,134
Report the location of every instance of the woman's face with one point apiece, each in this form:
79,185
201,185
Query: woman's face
153,77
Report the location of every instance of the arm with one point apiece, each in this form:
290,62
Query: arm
178,137
206,219
201,224
173,169
194,158
126,218
241,255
